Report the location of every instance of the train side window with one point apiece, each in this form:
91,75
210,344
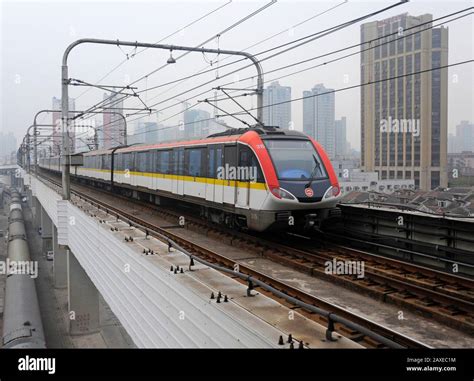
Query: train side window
157,162
133,161
219,158
211,160
121,162
214,160
127,162
230,156
106,162
179,164
141,161
255,164
244,162
175,162
165,162
149,161
193,162
247,159
172,160
118,161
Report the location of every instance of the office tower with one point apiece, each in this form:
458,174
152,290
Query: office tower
340,131
464,137
145,132
114,126
7,143
57,130
318,116
404,120
196,124
279,114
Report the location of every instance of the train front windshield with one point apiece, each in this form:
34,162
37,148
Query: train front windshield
295,159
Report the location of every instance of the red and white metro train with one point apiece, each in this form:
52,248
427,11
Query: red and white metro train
258,178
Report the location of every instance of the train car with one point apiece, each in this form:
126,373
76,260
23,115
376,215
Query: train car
258,179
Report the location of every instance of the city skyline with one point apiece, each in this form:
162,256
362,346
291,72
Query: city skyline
20,84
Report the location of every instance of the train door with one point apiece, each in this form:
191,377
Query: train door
215,182
133,169
211,173
229,170
153,169
178,178
244,176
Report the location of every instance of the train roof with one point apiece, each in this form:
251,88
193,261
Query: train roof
230,135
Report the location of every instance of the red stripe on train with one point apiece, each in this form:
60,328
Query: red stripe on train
327,163
253,140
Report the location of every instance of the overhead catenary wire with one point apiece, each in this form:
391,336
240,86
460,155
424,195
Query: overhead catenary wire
332,91
227,29
364,84
181,80
309,38
103,104
330,53
347,55
159,41
300,42
143,49
352,46
338,51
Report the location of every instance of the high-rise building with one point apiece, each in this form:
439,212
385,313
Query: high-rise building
280,114
452,146
404,120
340,131
7,143
318,116
145,132
113,126
57,126
196,124
464,137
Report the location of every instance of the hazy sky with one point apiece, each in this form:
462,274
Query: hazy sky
34,35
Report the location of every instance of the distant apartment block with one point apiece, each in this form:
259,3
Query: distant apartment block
7,143
275,114
318,117
404,120
341,144
195,124
113,127
463,141
57,126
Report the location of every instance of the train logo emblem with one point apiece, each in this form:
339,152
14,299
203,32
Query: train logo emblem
309,192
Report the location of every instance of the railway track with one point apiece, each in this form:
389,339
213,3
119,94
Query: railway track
282,291
444,297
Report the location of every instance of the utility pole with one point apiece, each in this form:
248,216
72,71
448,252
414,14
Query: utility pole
35,126
65,81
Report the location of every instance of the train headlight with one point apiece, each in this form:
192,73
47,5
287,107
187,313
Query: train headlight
282,193
332,191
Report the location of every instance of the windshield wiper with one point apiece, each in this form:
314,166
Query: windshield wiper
317,165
